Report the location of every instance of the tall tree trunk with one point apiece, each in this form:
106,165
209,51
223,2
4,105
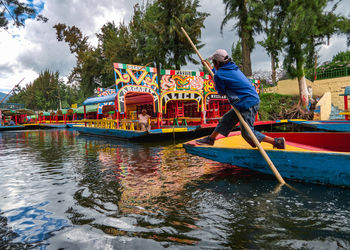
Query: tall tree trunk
273,68
247,66
303,92
176,54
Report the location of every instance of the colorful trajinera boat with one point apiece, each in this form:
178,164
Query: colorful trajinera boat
180,102
12,116
314,157
325,125
11,127
330,125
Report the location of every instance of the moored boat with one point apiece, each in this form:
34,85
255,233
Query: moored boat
179,102
325,125
309,156
14,127
137,135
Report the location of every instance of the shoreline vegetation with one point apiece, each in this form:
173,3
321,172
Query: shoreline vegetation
279,107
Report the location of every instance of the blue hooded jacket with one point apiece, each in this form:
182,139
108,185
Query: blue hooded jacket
240,92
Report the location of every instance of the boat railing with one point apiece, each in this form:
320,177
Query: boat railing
125,124
104,123
180,121
128,124
134,125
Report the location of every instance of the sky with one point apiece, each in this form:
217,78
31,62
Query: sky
27,51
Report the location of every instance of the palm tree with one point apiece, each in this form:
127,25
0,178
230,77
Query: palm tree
164,20
247,15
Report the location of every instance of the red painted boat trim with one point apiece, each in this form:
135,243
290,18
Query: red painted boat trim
334,141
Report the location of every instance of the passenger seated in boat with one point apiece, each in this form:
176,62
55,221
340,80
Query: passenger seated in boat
241,94
12,123
144,120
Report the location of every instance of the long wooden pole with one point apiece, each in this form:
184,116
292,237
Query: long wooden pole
241,120
11,91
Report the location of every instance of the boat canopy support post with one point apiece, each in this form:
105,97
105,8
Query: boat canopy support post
85,114
346,107
159,119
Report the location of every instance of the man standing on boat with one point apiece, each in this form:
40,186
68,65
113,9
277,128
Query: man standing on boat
241,94
143,120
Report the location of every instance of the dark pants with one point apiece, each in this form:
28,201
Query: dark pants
230,119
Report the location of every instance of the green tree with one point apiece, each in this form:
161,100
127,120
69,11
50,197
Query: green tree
272,28
247,14
44,93
17,12
152,36
165,43
94,66
342,57
306,25
116,44
340,64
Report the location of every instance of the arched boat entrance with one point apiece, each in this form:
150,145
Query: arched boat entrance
136,101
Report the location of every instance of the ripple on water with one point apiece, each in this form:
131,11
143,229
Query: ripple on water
33,224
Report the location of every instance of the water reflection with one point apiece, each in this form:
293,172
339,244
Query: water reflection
67,191
35,223
152,183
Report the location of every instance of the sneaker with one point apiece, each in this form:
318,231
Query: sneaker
206,140
280,143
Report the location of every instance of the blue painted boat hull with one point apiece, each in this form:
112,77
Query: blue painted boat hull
314,167
119,133
53,125
154,134
8,128
336,126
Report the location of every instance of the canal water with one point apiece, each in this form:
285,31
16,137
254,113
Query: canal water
60,190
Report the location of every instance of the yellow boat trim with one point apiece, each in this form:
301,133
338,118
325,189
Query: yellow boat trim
164,130
170,130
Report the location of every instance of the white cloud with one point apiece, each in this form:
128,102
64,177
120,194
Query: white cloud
30,50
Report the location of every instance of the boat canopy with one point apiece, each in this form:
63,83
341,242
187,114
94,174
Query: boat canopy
25,111
44,113
68,111
99,99
89,108
8,112
346,91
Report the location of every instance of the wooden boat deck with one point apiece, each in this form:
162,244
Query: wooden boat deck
305,141
239,143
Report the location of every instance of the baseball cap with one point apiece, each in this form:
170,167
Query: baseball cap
219,55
